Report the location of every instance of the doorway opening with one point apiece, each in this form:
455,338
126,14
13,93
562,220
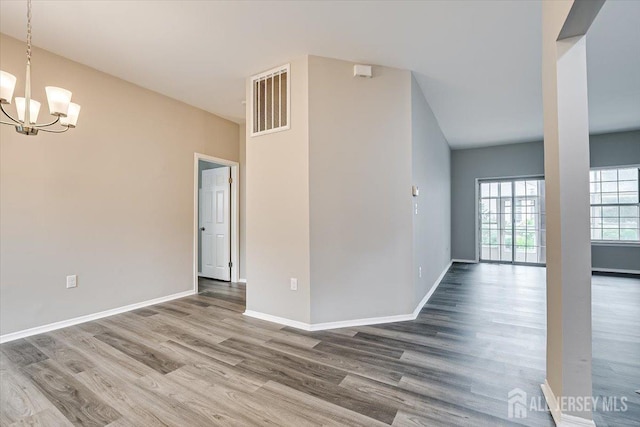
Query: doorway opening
511,221
216,242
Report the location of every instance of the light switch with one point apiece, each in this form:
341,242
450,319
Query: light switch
294,284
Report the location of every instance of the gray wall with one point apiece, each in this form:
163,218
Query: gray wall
613,149
490,162
431,160
360,192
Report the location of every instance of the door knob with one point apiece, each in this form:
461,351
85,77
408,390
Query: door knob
201,228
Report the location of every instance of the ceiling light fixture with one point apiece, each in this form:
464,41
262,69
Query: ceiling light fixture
59,100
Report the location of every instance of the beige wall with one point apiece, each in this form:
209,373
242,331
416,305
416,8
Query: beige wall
111,201
360,192
277,214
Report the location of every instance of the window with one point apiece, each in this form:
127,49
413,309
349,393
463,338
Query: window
512,221
270,101
615,205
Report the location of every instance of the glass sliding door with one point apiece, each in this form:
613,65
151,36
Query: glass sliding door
496,223
512,223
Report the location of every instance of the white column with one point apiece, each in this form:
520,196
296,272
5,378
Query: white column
566,146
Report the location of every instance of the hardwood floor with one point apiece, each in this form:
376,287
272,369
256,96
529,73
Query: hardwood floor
198,361
616,346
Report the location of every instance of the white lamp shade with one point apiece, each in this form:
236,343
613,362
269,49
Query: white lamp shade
7,85
34,110
72,116
58,99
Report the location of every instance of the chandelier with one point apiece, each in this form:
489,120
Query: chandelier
59,100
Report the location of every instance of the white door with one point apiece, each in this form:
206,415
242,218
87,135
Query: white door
215,224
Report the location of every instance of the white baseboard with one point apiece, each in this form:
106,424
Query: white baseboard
465,261
551,402
360,322
275,319
431,291
562,420
89,317
614,270
350,323
242,280
328,325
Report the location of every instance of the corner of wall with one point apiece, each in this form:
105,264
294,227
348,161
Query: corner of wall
431,172
277,221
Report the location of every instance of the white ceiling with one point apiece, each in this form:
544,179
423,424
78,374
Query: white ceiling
478,62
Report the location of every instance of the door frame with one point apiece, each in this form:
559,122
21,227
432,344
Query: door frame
235,214
477,212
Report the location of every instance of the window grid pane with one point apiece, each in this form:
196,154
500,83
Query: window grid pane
615,204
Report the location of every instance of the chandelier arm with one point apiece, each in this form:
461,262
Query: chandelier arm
8,115
26,127
66,128
46,124
33,125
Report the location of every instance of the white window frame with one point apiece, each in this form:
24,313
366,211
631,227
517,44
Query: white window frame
601,242
286,68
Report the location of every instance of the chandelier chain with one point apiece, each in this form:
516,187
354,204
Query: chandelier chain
29,30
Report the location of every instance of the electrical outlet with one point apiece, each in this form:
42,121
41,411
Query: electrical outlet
416,209
420,272
72,281
294,284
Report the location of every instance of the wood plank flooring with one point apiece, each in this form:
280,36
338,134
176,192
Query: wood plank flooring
198,361
616,346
